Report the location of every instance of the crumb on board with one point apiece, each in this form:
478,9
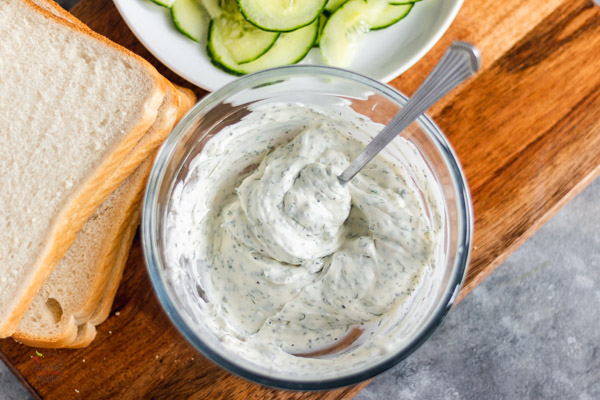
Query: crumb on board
76,391
118,313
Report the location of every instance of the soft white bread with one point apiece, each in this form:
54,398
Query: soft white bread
51,320
87,332
79,282
103,308
143,150
72,106
187,100
84,337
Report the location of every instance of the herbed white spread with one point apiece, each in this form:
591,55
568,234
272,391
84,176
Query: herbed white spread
290,260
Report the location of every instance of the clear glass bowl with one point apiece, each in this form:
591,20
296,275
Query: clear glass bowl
312,85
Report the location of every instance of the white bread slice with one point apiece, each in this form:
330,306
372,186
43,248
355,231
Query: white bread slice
89,298
102,249
75,287
51,318
168,112
103,309
181,100
86,332
188,99
72,106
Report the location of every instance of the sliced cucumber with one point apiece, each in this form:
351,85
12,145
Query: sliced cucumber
164,3
333,5
322,21
244,41
390,15
281,15
189,18
346,27
289,48
217,7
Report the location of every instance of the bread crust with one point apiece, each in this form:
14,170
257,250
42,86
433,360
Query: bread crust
68,336
104,306
187,99
82,203
86,334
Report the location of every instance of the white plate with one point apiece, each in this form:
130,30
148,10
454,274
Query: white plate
382,55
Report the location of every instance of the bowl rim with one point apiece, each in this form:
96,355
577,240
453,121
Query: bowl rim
149,225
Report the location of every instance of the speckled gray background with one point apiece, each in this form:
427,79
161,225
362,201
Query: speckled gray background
530,331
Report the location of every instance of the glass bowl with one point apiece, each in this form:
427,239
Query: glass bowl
182,295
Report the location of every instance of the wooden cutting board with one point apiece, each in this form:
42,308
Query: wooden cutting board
526,129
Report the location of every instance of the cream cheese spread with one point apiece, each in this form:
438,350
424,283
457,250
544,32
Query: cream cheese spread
291,262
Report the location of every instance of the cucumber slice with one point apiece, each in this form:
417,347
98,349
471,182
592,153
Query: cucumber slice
322,21
217,7
164,3
391,15
281,15
346,27
244,41
289,48
333,5
189,18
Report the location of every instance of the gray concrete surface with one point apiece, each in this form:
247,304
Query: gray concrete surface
10,387
530,331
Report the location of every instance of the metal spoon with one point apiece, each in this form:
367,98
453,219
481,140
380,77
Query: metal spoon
460,61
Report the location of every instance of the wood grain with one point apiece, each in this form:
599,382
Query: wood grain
526,129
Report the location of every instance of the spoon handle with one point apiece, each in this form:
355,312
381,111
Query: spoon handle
460,61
